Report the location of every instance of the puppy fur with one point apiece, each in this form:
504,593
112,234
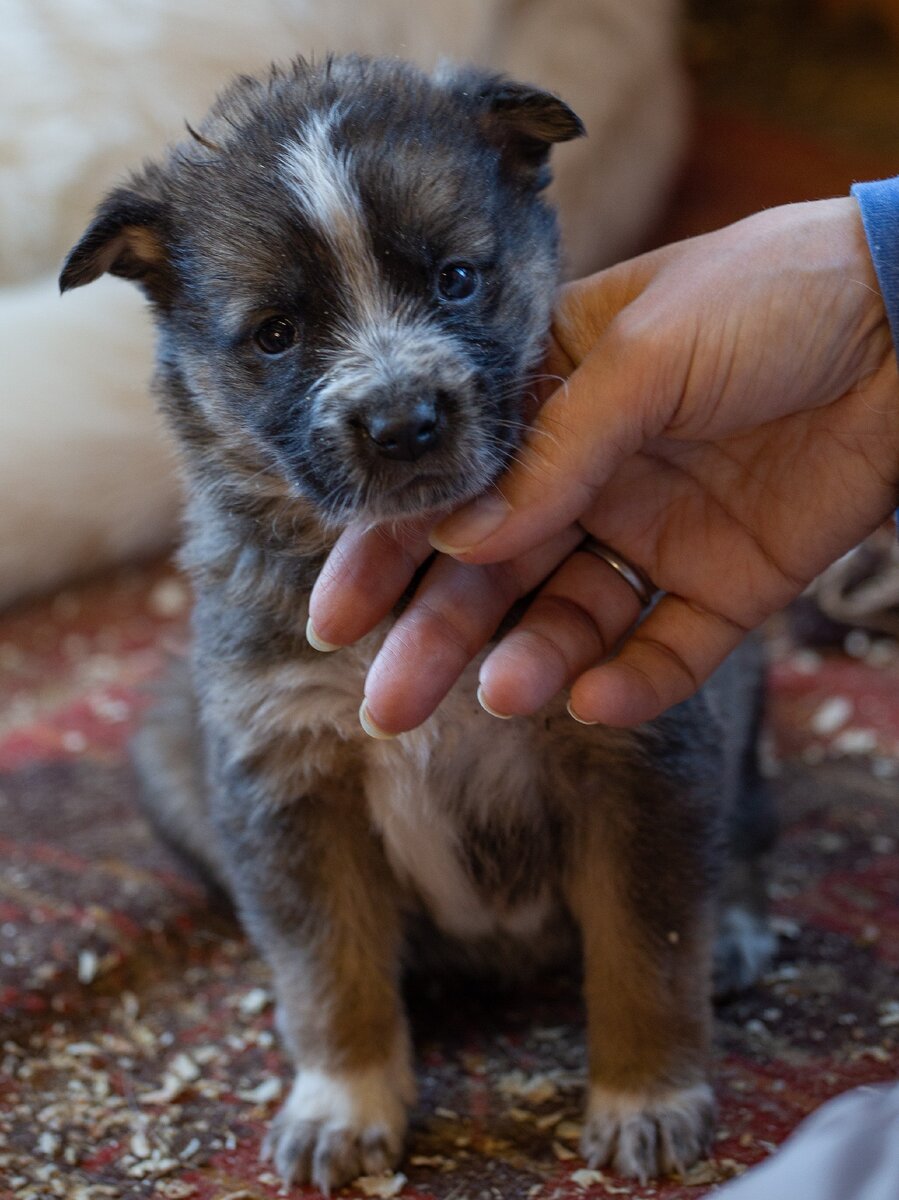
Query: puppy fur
351,267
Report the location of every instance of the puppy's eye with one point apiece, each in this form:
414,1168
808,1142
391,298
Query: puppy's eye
276,335
457,281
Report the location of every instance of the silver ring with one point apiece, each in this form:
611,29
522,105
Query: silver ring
642,585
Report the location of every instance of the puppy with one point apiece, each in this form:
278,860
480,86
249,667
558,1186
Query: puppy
351,268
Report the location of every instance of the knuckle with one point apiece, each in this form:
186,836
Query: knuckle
581,635
671,666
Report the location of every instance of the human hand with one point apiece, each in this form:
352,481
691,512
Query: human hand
730,424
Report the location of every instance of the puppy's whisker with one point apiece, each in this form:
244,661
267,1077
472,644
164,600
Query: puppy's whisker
537,432
559,379
525,465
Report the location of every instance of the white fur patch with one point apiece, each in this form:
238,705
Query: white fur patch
320,176
420,841
336,1125
412,805
353,1099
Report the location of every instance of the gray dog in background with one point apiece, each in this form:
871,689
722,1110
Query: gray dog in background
351,268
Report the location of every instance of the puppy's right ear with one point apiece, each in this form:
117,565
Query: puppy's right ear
130,237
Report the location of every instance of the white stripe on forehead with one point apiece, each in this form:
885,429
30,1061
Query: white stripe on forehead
320,177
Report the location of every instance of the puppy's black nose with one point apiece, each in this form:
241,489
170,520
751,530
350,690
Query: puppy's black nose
405,435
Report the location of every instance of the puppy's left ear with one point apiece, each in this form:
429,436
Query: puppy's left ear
525,122
129,237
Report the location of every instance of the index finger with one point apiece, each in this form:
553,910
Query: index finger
455,611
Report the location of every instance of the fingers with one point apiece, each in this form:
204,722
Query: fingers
574,622
622,394
363,578
665,660
452,616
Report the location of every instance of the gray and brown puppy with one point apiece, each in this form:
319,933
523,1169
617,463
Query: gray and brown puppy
351,268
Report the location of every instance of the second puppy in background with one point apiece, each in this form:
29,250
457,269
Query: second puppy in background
352,268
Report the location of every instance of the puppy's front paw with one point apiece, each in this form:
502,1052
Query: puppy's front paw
336,1126
642,1135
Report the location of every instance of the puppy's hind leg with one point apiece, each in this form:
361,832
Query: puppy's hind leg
167,753
746,943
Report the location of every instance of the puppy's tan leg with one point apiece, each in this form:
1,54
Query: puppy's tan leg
317,896
646,923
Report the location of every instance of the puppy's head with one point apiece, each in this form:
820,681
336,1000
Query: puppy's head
352,270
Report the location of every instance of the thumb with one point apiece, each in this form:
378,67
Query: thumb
622,393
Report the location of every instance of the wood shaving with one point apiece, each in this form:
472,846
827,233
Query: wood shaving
254,1002
562,1153
264,1092
569,1131
536,1089
585,1178
831,715
382,1186
433,1160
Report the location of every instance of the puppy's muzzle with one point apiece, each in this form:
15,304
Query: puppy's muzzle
403,429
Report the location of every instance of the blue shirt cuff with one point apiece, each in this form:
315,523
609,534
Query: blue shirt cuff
879,204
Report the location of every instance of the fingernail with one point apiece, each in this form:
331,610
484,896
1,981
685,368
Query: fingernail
580,720
486,707
316,642
370,727
471,525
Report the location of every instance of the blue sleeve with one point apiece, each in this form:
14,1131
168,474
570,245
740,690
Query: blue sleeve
879,204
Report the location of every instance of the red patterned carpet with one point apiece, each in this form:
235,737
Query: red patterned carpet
138,1058
138,1055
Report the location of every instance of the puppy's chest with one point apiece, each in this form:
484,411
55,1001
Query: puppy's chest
467,821
471,811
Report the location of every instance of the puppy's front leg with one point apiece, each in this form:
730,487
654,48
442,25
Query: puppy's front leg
318,898
636,888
